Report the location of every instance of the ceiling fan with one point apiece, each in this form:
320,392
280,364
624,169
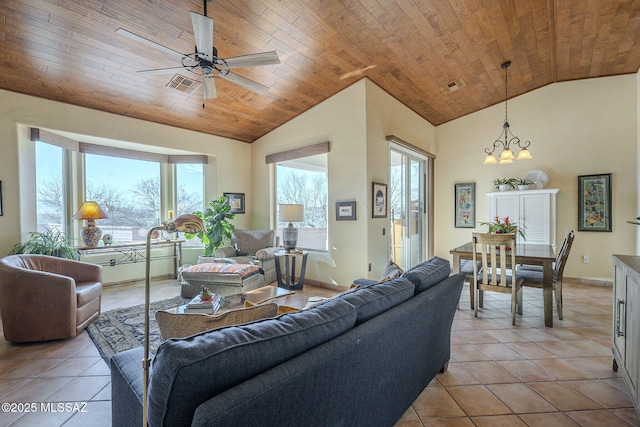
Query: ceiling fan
205,62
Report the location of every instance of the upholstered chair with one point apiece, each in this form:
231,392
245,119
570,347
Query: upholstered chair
47,298
253,247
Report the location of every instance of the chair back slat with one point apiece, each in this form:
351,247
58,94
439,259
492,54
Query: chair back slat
563,255
495,256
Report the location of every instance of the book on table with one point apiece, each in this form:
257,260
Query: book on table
196,305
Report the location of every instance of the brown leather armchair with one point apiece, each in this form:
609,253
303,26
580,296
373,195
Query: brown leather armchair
47,298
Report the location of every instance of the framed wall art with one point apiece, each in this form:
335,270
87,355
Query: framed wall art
465,197
345,211
379,200
236,202
0,198
594,202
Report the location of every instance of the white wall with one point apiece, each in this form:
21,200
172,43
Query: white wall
576,128
356,121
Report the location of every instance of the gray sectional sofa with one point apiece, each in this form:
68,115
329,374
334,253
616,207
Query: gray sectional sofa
359,359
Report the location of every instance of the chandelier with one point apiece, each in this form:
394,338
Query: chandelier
506,138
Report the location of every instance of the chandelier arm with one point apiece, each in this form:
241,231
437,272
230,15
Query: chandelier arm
497,143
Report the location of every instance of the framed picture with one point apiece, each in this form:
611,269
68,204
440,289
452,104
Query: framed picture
236,201
465,197
345,211
594,202
379,200
0,198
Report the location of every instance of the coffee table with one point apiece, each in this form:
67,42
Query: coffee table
256,296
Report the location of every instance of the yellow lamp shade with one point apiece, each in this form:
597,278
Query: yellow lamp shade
90,210
524,155
490,160
507,155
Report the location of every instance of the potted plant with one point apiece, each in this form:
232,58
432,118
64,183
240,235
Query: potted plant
49,242
504,226
523,183
504,184
218,228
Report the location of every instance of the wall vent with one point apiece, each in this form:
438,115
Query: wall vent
183,84
453,85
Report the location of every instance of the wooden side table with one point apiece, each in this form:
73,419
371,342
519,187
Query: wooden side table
290,269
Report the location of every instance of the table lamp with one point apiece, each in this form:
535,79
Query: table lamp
188,223
90,211
290,213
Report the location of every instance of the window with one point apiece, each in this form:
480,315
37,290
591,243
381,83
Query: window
128,191
129,185
50,187
190,185
304,181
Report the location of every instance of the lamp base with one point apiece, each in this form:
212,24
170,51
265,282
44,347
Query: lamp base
289,237
91,234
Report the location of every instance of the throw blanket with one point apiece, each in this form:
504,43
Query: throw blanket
243,270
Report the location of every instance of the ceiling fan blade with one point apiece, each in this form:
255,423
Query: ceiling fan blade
148,42
253,60
244,82
162,71
208,86
203,32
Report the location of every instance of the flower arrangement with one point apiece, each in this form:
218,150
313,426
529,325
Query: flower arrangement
504,226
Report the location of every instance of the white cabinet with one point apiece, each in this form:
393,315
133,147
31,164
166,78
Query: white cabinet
533,209
626,322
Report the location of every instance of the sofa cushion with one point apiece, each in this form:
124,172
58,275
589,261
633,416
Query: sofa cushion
375,299
248,242
193,369
428,273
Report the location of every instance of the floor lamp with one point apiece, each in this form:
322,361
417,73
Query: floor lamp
184,223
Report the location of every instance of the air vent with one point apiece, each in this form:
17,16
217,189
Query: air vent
183,84
453,85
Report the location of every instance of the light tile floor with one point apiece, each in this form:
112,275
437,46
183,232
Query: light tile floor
499,374
528,374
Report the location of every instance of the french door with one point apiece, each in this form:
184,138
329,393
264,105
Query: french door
407,202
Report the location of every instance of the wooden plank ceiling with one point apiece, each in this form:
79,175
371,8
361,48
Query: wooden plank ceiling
67,50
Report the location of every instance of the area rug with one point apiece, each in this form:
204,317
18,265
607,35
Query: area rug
121,329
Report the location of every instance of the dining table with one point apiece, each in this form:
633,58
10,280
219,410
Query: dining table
530,254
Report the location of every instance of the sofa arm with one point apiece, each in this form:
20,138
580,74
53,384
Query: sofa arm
126,388
226,252
267,253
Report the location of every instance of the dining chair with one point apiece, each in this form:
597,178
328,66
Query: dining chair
532,274
466,268
496,261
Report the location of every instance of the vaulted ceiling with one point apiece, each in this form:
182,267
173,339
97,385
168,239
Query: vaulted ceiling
68,50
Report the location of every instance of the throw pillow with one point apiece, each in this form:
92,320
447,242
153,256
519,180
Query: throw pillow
392,271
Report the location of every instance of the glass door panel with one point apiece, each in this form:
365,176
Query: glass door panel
407,203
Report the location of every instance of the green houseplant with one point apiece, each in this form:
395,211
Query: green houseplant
49,242
504,184
218,228
523,183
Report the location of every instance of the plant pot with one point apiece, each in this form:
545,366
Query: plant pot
504,187
523,187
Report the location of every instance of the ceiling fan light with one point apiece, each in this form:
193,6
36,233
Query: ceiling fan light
505,161
524,154
507,155
490,160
